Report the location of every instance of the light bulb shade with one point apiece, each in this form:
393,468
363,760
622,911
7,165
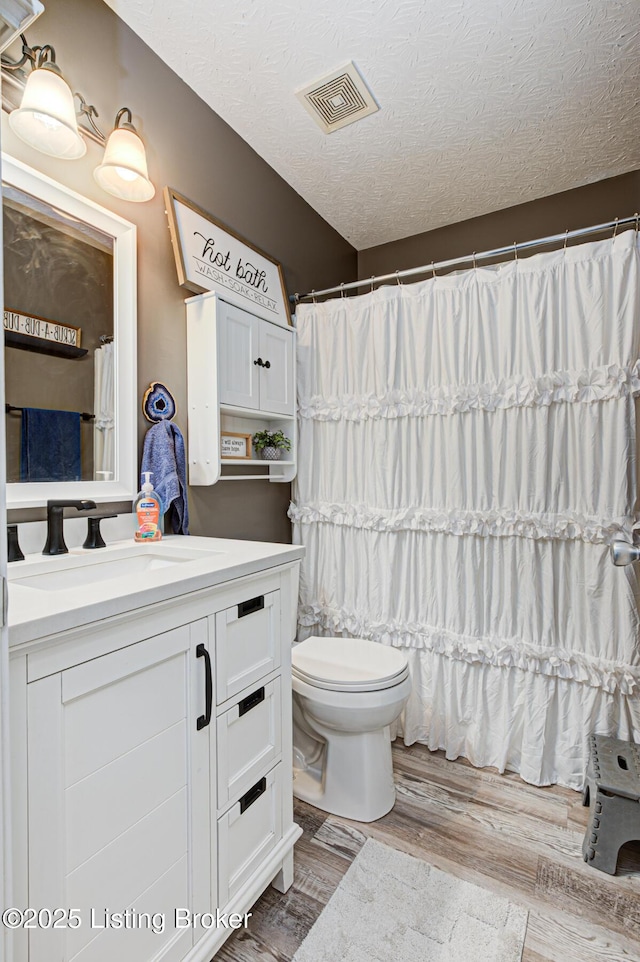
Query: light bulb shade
123,171
46,118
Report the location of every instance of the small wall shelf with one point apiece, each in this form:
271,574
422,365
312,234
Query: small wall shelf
241,379
255,461
42,346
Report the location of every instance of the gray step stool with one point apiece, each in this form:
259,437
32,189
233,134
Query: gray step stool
612,790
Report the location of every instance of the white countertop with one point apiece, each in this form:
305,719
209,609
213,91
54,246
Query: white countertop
35,612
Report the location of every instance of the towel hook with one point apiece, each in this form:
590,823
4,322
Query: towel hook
615,229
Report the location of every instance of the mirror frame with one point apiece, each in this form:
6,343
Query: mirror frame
123,487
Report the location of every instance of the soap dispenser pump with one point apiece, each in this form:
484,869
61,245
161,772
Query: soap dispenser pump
148,509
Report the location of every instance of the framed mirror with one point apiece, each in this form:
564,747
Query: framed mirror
70,343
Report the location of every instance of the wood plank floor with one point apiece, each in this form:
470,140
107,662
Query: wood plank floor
494,830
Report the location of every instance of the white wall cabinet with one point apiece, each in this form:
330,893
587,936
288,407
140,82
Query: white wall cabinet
255,362
241,378
153,773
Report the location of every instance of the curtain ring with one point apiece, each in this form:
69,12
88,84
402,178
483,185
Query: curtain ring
433,269
313,297
342,294
637,217
398,282
373,277
615,229
515,251
566,238
474,260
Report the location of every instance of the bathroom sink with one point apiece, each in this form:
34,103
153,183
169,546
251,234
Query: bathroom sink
78,569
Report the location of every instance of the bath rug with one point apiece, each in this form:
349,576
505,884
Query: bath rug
390,906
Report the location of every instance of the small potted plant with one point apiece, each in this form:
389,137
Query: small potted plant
270,444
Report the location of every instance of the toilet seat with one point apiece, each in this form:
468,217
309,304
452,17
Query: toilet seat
348,664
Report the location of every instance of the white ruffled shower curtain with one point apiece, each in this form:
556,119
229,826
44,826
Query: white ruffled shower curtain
467,450
104,411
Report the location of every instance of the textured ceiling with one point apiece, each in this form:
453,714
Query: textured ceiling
484,103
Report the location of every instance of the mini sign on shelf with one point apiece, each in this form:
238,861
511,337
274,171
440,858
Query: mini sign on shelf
211,257
32,326
235,445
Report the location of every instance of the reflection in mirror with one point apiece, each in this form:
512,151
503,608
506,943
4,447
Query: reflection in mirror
58,274
69,321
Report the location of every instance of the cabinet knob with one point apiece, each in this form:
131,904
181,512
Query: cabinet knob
259,362
267,364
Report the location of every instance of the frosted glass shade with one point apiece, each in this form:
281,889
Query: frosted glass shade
123,171
46,118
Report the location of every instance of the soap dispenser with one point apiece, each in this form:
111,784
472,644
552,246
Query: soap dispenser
148,509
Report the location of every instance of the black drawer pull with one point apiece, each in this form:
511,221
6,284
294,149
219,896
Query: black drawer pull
253,795
248,607
255,698
204,720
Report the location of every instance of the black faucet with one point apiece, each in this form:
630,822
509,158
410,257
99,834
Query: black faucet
55,518
14,552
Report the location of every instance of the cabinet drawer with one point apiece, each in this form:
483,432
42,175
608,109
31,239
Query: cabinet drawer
249,740
248,832
247,646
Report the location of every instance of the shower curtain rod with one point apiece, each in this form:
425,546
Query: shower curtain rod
483,255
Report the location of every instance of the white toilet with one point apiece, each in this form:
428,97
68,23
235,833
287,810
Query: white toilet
346,693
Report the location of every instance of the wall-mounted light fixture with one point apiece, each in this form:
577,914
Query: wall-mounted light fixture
123,171
47,120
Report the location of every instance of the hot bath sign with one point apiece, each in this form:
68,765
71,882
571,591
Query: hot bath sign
211,257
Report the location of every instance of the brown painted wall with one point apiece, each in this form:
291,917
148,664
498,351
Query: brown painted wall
582,207
191,149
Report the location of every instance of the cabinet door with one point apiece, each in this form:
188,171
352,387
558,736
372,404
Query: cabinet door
118,801
276,380
239,347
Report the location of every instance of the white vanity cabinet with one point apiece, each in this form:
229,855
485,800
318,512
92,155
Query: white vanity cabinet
241,379
152,772
118,796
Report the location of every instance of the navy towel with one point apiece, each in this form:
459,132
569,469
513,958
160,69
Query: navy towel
163,454
50,449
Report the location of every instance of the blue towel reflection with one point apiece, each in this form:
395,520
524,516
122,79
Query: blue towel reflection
50,448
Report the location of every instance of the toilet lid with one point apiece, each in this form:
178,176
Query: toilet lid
353,664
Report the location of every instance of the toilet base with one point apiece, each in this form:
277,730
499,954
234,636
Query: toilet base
357,780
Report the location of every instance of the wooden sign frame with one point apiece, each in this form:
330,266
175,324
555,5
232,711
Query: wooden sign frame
210,256
42,328
233,436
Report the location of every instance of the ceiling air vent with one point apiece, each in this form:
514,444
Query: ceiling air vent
339,99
